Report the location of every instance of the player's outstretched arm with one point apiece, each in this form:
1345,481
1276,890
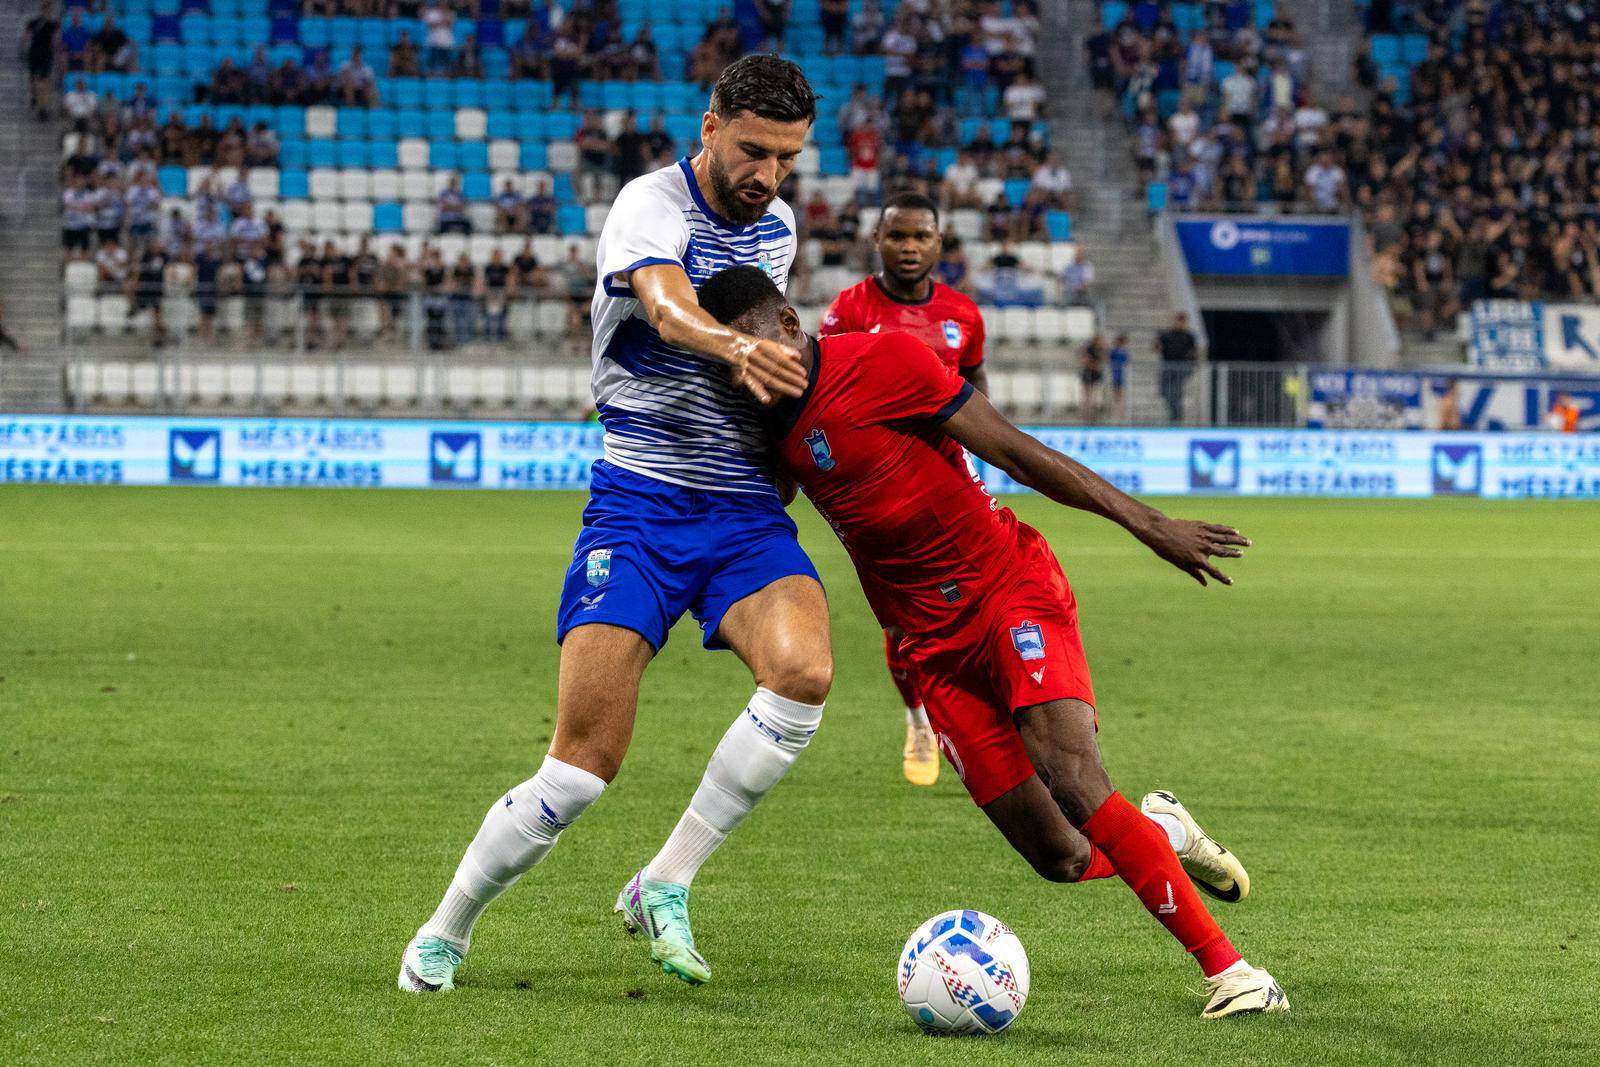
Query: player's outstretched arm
1184,543
766,368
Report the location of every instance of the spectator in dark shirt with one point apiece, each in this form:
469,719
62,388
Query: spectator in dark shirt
541,209
110,49
40,36
627,161
75,43
228,83
404,61
1178,349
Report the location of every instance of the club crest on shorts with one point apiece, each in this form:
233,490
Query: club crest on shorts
598,569
952,333
820,452
1028,640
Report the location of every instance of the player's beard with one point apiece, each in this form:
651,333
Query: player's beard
728,198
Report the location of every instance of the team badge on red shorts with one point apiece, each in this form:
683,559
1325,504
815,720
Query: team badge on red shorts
1028,640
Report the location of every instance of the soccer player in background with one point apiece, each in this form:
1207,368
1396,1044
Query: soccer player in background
904,296
989,620
682,517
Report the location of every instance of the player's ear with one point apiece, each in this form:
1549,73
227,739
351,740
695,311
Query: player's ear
789,319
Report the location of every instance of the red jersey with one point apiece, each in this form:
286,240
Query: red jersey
947,322
927,539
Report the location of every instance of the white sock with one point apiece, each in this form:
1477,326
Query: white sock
752,757
918,717
1176,834
518,832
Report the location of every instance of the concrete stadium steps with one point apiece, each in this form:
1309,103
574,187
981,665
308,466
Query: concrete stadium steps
275,385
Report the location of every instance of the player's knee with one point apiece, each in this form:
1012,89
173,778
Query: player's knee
801,679
1078,784
1062,864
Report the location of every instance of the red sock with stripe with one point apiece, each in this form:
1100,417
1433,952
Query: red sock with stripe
1144,859
1099,866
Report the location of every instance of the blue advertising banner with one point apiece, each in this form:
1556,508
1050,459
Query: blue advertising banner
1399,400
419,454
1275,247
1519,335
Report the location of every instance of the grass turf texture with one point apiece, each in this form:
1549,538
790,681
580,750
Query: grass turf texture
246,735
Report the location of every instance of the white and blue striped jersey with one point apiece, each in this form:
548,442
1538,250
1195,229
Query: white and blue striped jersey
668,413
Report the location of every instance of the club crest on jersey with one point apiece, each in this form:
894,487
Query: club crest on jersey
765,264
1028,640
952,333
598,568
820,452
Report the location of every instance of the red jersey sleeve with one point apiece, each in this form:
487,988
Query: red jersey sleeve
910,381
972,354
840,316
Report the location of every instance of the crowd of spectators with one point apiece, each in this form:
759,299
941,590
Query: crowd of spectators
1478,176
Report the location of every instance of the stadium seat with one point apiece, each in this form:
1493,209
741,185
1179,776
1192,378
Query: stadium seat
355,183
572,220
476,185
358,216
381,125
386,184
383,155
416,185
388,217
420,216
472,124
504,155
472,155
534,156
324,184
443,155
264,183
412,153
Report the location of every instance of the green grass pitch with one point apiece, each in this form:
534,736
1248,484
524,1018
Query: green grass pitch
244,736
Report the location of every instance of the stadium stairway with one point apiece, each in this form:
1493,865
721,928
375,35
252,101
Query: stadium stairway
1109,221
30,238
1331,34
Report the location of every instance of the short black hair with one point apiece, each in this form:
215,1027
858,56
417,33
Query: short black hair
911,200
731,294
767,85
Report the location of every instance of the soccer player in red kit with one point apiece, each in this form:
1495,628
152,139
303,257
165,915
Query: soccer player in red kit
989,619
904,296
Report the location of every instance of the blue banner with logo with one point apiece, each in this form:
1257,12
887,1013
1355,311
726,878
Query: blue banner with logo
418,454
1513,335
1287,248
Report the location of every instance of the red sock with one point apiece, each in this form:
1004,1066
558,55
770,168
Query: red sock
1144,859
900,670
1099,866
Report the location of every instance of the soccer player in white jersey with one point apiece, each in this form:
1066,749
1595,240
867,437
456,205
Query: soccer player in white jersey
682,516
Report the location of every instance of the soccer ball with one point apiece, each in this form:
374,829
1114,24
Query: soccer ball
963,972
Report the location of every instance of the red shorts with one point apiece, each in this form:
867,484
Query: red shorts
1020,650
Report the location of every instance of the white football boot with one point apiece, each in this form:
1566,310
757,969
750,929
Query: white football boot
429,965
1209,865
1243,990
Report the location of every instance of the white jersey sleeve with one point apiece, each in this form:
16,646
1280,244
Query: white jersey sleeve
644,227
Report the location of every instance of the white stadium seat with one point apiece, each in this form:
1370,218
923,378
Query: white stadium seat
1061,254
357,216
482,217
210,383
439,181
81,278
460,386
112,312
412,153
116,382
274,383
966,223
504,155
324,184
1035,255
1062,391
1027,390
494,386
1013,324
305,383
451,245
1049,324
562,156
595,217
364,383
552,318
471,124
321,121
521,321
326,215
296,215
355,183
199,177
264,183
400,384
416,185
1079,324
419,217
480,246
145,384
386,185
241,387
80,313
549,249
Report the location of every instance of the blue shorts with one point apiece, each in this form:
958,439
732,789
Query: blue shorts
650,550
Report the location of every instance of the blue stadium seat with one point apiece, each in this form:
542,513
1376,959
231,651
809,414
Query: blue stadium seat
136,26
1059,224
441,125
561,188
443,155
289,122
833,162
1155,197
591,94
491,32
174,181
411,122
572,220
264,114
1385,49
387,217
256,29
322,153
1112,14
496,64
531,95
534,155
1414,48
476,186
280,52
173,89
354,154
502,125
683,128
468,92
381,124
563,125
374,36
198,60
436,95
646,97
383,155
285,31
195,29
344,32
407,92
473,155
530,126
615,96
292,152
166,58
352,122
293,185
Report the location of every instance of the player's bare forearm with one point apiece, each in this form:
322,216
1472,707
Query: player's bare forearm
1186,544
767,369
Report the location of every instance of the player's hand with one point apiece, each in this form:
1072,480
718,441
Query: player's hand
767,368
1190,546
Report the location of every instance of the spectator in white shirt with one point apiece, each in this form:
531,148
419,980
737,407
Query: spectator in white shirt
440,21
1023,98
960,185
80,105
1326,182
1239,97
1076,278
1184,124
1054,181
357,83
111,262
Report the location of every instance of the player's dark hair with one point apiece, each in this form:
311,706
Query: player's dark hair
729,295
767,85
910,200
